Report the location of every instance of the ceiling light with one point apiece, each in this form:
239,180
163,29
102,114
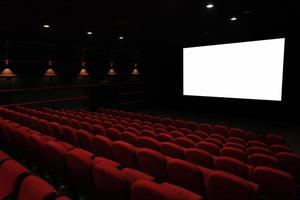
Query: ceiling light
233,19
210,5
121,37
89,33
46,26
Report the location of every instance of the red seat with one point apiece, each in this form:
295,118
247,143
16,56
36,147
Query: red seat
70,135
201,134
235,145
171,128
164,137
186,175
152,163
221,130
120,127
56,130
125,154
172,150
148,133
35,188
185,131
3,156
75,123
98,129
110,183
199,157
193,126
290,163
176,134
196,139
274,184
107,124
214,141
237,140
86,126
234,153
179,123
113,134
232,166
208,128
147,190
133,130
276,148
150,143
11,175
219,137
237,132
80,164
36,144
274,139
185,142
85,140
55,155
102,146
130,138
222,185
262,150
136,125
263,160
134,175
209,147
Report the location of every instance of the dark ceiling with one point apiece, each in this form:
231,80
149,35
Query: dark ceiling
143,23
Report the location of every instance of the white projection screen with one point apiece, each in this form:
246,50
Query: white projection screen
246,70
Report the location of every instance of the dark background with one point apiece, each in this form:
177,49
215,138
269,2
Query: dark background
155,32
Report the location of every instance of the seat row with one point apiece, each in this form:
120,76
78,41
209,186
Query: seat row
238,147
16,182
285,161
175,170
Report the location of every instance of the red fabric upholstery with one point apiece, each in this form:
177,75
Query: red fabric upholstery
146,142
185,142
85,140
186,175
125,154
164,137
209,147
226,186
28,189
110,182
102,146
130,138
237,132
274,139
263,160
11,175
113,134
232,166
290,163
234,153
152,163
199,157
274,184
172,150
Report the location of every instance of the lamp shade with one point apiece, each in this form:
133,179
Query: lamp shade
7,72
135,72
112,72
50,72
83,72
